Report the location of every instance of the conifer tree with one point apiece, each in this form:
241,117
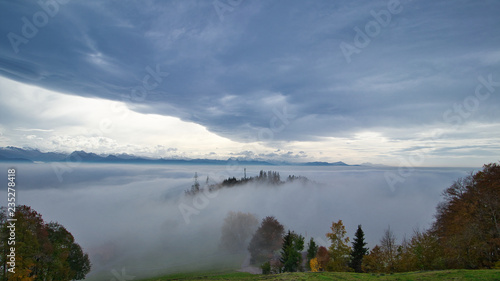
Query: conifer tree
358,250
195,188
291,251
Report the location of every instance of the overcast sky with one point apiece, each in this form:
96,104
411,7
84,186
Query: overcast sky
355,81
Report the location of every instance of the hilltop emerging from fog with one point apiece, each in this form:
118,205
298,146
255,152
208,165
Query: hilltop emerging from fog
269,178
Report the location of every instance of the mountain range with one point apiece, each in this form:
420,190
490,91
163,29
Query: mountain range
15,154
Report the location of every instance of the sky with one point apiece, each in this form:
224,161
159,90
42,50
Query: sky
392,82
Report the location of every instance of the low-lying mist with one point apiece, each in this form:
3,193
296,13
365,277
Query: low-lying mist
136,219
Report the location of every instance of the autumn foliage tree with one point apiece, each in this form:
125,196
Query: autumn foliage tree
322,257
388,256
374,261
314,265
68,259
266,240
339,250
426,250
31,238
44,251
405,258
468,221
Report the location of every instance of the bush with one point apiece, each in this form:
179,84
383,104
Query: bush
266,268
314,264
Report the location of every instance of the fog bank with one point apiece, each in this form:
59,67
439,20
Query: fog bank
136,217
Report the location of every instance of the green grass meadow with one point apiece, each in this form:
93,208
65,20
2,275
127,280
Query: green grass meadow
311,276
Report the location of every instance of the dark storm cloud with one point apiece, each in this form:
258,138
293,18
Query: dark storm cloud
233,75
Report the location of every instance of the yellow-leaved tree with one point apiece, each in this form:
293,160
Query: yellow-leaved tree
339,250
314,264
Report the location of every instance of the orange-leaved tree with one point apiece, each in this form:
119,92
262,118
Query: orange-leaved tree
266,240
323,258
468,221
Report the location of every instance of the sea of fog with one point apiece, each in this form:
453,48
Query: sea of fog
134,220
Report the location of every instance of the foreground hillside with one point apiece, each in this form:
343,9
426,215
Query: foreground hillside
456,275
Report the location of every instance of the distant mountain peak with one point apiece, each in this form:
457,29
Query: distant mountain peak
11,153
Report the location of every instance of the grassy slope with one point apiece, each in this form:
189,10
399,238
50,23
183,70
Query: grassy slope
455,275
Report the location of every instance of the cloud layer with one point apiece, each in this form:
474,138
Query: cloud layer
129,216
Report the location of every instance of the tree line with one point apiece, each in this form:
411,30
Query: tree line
465,235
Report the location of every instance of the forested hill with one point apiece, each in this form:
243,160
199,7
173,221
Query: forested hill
264,178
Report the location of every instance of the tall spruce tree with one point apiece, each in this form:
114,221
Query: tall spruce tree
291,252
358,250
